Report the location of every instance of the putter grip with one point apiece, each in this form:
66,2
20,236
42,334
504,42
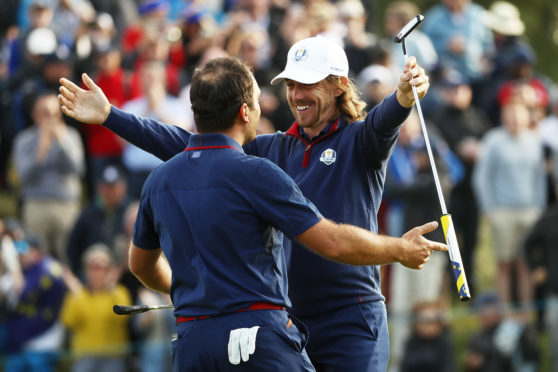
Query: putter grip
455,258
129,310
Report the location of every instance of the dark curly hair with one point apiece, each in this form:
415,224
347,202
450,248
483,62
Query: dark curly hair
218,90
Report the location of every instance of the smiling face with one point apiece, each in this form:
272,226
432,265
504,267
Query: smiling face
314,106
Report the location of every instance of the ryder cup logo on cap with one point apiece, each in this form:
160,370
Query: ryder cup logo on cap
313,59
301,54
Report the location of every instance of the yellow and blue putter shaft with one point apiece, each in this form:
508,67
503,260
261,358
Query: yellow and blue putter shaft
447,223
455,258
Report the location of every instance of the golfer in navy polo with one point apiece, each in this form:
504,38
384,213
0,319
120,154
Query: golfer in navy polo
212,225
214,210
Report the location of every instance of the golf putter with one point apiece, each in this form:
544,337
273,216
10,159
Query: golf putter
447,223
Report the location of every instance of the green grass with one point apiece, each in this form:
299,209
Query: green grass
8,204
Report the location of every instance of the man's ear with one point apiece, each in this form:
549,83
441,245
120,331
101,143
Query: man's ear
344,81
243,112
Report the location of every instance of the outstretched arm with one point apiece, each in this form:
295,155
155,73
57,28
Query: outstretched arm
92,107
356,246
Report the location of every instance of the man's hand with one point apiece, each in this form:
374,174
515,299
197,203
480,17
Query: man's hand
88,106
417,253
412,75
242,344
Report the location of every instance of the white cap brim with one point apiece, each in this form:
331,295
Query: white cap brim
300,76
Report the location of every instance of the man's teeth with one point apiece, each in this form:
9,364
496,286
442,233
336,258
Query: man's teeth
302,108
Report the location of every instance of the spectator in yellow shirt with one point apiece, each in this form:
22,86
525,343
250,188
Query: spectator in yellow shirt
99,337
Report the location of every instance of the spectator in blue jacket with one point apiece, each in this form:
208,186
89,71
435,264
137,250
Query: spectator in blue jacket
35,335
461,38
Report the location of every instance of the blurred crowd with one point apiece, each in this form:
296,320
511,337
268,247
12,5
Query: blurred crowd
492,122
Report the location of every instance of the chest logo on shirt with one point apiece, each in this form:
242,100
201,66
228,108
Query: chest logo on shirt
328,157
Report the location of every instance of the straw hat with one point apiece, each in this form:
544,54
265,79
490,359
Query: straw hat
503,17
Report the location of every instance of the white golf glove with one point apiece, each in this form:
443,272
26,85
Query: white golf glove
242,343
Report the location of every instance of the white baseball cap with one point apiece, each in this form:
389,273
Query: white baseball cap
313,59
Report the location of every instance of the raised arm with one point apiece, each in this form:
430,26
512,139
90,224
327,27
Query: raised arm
377,137
356,246
91,106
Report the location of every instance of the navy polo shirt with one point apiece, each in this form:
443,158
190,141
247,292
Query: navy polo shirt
218,214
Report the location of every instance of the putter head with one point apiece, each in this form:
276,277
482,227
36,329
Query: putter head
408,28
